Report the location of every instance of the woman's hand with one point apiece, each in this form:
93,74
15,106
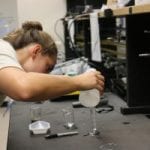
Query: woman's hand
90,80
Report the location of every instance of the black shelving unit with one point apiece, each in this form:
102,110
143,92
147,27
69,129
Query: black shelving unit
137,59
138,62
74,50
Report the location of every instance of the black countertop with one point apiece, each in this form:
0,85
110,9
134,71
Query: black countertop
117,131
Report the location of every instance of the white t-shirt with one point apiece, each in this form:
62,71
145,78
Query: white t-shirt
7,59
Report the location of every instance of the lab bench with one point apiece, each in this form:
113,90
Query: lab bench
117,131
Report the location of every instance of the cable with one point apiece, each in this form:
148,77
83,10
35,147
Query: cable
61,53
69,29
55,30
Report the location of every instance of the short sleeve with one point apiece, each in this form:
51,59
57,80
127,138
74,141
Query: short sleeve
8,56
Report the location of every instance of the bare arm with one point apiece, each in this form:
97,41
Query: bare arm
36,86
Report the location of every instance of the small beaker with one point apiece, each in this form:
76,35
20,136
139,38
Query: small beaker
35,112
68,114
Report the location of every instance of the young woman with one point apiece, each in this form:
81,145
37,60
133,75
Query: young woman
26,55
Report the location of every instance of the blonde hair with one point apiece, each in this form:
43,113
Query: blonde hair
32,32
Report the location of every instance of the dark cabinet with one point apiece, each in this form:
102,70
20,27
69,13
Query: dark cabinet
138,59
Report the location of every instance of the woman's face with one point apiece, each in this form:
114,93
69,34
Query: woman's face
43,64
32,59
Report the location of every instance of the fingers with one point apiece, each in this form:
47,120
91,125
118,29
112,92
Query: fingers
100,88
100,82
100,77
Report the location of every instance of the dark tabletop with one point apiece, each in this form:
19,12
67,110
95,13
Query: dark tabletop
117,132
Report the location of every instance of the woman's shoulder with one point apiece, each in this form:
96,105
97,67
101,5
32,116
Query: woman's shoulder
5,46
4,43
